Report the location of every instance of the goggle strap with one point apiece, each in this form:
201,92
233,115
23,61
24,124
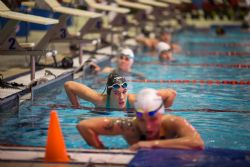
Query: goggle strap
151,113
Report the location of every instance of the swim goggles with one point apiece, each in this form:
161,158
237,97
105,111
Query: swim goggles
124,57
124,85
166,50
139,112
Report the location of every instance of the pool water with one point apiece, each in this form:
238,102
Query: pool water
225,129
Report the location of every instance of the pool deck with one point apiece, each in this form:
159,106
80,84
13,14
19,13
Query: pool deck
41,75
33,156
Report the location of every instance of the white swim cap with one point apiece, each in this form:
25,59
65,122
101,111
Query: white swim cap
162,46
147,100
127,52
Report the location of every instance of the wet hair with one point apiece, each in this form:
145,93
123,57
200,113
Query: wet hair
245,25
145,32
112,79
220,31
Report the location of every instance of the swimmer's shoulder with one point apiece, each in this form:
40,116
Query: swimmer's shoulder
101,102
168,118
108,70
131,98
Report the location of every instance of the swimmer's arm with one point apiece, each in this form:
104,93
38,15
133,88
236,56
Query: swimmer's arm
176,48
168,96
97,68
93,66
132,98
140,39
186,138
187,143
75,89
91,129
149,42
107,70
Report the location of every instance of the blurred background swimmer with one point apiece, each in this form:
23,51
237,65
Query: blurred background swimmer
150,128
164,52
220,31
124,63
165,36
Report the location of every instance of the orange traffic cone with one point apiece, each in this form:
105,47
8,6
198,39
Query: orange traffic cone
55,148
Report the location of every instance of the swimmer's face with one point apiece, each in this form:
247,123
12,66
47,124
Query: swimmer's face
166,37
119,97
150,125
124,63
98,1
165,56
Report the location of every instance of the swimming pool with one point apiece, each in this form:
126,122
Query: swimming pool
207,106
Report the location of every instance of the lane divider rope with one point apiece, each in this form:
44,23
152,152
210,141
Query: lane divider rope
209,82
99,109
200,65
229,44
216,53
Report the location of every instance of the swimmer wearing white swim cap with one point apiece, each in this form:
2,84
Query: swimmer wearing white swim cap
124,61
148,100
150,128
164,51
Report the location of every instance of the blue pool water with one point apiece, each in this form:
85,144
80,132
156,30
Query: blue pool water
228,130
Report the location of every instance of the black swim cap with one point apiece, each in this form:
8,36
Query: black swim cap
114,78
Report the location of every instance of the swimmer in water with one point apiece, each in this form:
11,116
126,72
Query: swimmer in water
124,63
220,31
150,128
117,96
165,36
164,52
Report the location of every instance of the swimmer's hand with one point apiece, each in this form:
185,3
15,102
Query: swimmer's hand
168,96
176,48
94,67
76,106
141,144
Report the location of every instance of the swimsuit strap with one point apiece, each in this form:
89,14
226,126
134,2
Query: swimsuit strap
128,106
108,103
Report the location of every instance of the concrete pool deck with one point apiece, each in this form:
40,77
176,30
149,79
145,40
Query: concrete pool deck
33,156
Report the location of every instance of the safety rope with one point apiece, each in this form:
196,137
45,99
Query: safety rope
216,53
229,44
100,109
209,82
240,66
